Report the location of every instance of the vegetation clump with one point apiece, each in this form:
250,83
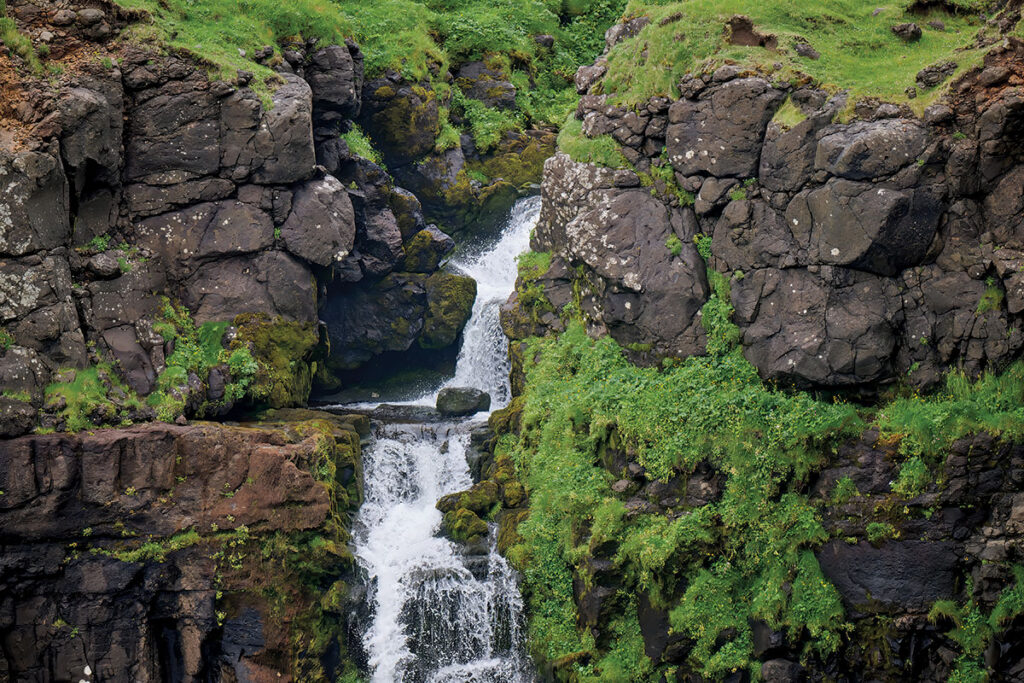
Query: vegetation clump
280,358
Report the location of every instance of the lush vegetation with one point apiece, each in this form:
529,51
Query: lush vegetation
858,51
420,39
717,567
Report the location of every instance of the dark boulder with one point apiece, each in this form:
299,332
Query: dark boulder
721,133
455,401
321,226
909,32
907,575
486,83
16,417
402,118
35,202
335,76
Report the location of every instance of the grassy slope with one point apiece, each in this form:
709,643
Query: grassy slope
727,562
858,50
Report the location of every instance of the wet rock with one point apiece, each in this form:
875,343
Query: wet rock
401,118
900,574
16,417
335,76
457,401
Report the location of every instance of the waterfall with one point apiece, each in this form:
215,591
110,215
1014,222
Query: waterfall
442,613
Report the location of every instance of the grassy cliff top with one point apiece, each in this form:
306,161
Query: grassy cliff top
858,50
421,39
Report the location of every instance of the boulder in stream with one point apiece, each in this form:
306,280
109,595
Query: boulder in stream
454,401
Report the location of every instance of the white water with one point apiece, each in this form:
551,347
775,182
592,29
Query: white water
440,614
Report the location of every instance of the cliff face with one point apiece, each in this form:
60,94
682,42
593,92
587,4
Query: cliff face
162,552
134,178
859,252
755,242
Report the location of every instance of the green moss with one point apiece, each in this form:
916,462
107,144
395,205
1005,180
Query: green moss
6,340
674,245
517,160
449,304
282,351
94,396
992,299
463,525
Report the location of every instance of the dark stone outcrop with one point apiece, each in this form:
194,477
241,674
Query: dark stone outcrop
455,401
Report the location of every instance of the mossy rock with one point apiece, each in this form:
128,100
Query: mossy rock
508,525
449,304
480,498
508,419
403,121
423,253
519,158
283,351
464,526
513,494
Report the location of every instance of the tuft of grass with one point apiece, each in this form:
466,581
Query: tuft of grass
360,145
18,42
789,115
602,151
90,394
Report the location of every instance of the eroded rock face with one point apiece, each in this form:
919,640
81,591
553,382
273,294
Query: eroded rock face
196,601
858,252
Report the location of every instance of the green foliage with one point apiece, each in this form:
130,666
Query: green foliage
94,397
22,396
858,51
18,42
487,125
602,151
666,174
789,115
738,194
360,145
281,350
674,245
913,478
99,243
844,490
6,340
157,551
928,425
991,299
880,531
703,243
973,630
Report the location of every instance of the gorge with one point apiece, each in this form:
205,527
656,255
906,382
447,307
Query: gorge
743,284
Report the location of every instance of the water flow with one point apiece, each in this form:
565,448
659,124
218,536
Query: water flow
443,613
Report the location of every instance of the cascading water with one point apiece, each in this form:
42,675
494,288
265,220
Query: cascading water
442,613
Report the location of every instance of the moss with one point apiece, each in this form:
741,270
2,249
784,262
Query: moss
506,420
464,525
449,304
508,535
283,353
420,255
399,124
602,151
92,397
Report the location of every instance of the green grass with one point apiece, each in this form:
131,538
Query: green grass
858,50
603,150
18,42
89,393
420,39
360,145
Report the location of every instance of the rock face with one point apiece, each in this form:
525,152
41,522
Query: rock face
857,252
137,553
150,181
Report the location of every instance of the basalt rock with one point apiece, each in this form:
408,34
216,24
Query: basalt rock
457,401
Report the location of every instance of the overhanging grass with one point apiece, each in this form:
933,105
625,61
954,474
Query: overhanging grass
858,50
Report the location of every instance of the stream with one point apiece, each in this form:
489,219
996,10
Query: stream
440,612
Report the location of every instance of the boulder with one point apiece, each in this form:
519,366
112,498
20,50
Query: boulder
721,133
402,118
909,32
836,327
270,282
16,417
35,204
479,81
335,76
321,226
870,149
423,253
866,226
457,401
283,143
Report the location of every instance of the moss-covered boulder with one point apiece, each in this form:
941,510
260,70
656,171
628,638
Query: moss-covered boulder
423,253
283,351
464,526
401,118
518,158
450,300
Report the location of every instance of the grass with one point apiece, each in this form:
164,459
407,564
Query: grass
858,50
603,150
18,42
419,39
89,394
360,145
